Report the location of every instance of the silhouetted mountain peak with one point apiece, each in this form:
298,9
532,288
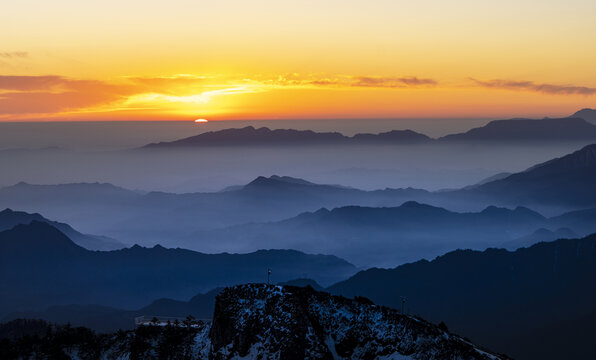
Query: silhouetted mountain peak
262,181
291,180
527,211
561,182
250,136
277,181
393,136
495,210
565,129
420,207
414,204
37,237
10,218
583,158
586,114
519,213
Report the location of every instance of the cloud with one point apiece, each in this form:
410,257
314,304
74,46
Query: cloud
537,87
21,96
51,94
31,83
391,82
299,80
14,55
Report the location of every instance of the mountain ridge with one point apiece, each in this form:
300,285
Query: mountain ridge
251,136
573,128
43,267
10,218
563,129
481,292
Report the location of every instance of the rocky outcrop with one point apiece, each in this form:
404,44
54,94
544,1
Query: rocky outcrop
275,322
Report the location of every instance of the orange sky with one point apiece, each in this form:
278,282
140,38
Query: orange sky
233,59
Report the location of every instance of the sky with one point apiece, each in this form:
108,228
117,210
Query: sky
235,59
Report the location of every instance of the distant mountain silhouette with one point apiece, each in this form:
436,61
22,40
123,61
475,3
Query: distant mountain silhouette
586,114
10,218
566,181
554,187
42,267
391,137
404,233
147,218
98,193
575,128
581,221
540,235
534,303
513,130
498,176
250,136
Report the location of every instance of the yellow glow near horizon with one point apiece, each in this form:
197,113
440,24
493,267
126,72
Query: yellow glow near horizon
232,59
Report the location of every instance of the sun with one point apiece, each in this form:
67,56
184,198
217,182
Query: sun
201,120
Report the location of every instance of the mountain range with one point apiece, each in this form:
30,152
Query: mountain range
571,129
10,218
147,218
42,267
524,130
405,233
564,183
534,303
250,136
194,220
586,114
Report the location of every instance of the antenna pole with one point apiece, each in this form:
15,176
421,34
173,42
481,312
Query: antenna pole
268,275
403,304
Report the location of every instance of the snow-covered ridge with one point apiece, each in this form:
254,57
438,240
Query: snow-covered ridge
275,322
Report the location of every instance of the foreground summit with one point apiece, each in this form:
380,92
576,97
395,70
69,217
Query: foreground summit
257,321
275,322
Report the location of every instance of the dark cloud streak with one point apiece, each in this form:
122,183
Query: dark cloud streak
536,87
14,54
391,82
